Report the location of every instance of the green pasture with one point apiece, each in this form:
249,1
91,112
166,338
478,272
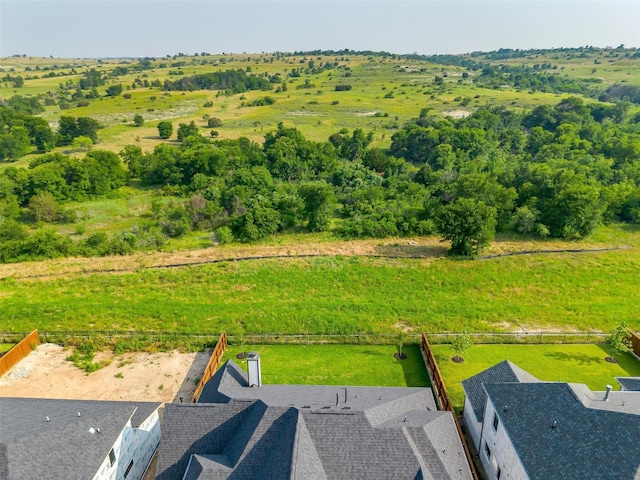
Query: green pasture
386,93
552,363
356,365
337,295
5,347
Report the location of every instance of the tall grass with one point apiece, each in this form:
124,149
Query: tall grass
336,295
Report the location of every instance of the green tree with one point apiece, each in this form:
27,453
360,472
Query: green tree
619,340
131,155
67,130
138,120
469,224
43,207
165,129
461,343
187,130
319,202
14,144
114,90
82,144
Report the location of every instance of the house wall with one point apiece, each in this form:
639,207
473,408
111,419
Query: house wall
133,444
473,425
503,454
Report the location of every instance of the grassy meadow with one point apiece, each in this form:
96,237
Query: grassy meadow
339,295
551,363
386,93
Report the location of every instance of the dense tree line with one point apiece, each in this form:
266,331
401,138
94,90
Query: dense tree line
232,81
555,171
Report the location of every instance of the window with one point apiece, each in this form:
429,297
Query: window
112,457
487,451
130,466
495,421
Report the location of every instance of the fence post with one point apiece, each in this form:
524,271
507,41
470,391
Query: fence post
588,335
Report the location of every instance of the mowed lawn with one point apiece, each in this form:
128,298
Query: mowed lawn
553,363
355,365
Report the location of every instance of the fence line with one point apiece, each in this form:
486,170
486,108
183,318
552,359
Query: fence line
212,366
18,352
440,390
528,337
635,343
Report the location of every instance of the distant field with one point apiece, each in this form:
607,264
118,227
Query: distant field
5,347
385,94
357,365
340,295
553,363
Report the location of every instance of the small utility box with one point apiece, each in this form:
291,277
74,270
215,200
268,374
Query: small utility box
255,374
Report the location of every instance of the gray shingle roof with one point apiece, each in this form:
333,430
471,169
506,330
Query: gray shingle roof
586,442
629,383
31,447
298,431
503,372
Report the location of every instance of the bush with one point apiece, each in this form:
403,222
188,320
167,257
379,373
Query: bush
43,207
165,129
223,235
343,88
138,120
214,122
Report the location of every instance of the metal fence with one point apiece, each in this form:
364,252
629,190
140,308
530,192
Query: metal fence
529,337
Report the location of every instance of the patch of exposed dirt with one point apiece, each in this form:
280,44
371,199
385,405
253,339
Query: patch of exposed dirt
457,113
159,377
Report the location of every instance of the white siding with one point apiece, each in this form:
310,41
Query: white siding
503,454
133,444
473,425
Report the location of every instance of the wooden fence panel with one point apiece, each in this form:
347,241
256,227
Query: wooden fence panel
212,366
635,343
442,397
18,352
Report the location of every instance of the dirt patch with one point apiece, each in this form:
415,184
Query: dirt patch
160,377
457,113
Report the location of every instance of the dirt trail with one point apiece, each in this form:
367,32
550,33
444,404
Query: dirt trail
161,377
428,248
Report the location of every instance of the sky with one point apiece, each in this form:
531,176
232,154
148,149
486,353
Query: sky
152,28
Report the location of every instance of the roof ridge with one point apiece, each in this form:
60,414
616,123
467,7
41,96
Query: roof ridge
305,459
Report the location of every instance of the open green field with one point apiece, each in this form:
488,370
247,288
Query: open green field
386,92
340,295
356,365
5,347
552,363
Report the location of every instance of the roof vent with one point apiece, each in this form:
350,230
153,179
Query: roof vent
47,419
606,394
79,414
253,365
554,424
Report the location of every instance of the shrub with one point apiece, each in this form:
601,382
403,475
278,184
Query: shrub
214,122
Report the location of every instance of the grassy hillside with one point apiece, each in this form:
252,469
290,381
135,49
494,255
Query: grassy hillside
387,91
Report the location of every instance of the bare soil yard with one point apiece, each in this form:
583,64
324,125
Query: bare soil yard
159,377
